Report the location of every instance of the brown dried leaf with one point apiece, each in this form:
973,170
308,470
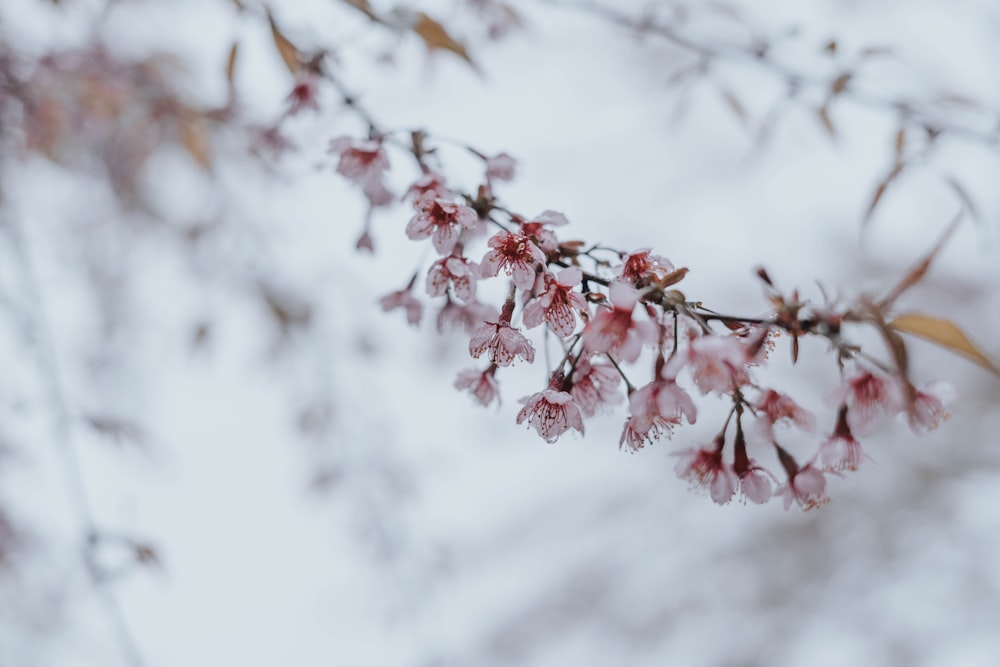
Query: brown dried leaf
943,333
365,8
231,64
289,53
840,83
880,189
195,138
900,143
824,117
435,36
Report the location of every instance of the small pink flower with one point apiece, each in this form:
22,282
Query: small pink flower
613,331
867,396
458,272
841,451
404,299
595,385
481,384
503,342
929,406
705,468
516,254
430,184
500,167
642,267
538,229
655,409
806,485
468,317
754,479
718,363
442,220
558,305
365,163
303,95
551,412
773,408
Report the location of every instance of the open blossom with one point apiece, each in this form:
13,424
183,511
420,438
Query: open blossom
718,363
754,480
841,451
500,167
538,229
654,410
430,184
929,406
806,484
481,384
551,412
441,220
404,299
365,163
594,385
773,408
705,468
869,395
558,305
458,272
503,342
613,331
468,317
515,254
641,266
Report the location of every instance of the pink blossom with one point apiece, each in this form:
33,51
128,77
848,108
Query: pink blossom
613,331
655,409
365,163
558,305
430,184
538,229
303,95
500,167
551,412
929,403
806,484
481,384
442,220
841,451
642,267
468,317
772,408
754,479
594,385
718,363
807,488
705,468
867,395
458,272
516,254
503,342
404,299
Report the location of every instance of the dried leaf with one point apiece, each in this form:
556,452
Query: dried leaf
943,333
365,8
880,189
435,36
824,117
734,104
231,64
289,53
919,270
195,138
840,83
900,143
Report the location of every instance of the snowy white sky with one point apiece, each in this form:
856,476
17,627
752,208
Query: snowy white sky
453,536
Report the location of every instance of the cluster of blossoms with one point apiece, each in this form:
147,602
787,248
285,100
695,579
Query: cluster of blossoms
610,309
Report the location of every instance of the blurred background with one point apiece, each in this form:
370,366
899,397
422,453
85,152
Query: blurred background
217,449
